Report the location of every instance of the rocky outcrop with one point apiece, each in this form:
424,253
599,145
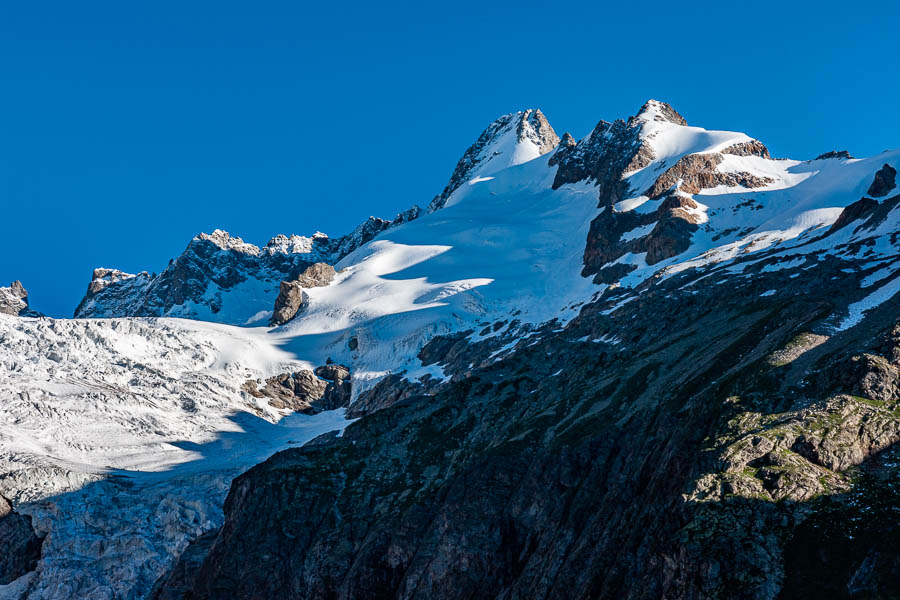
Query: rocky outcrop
852,212
602,158
839,154
671,227
309,392
677,219
291,297
496,148
884,182
613,150
698,172
291,300
194,283
14,301
21,546
662,112
750,148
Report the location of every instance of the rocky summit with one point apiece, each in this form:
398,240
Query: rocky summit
651,362
14,301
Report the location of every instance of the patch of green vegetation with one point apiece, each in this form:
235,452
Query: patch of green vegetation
869,401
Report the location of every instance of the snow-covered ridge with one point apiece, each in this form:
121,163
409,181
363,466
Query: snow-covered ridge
222,278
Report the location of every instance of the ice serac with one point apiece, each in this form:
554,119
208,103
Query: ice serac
511,140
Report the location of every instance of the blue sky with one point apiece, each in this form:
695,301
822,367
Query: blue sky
127,127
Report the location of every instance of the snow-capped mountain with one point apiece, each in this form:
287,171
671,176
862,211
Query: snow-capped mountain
560,324
222,278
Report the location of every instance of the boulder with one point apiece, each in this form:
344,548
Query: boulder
310,392
291,297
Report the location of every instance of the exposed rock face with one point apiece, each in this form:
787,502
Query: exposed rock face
884,182
21,547
317,275
673,223
501,145
291,297
842,154
853,212
291,300
102,278
310,392
698,172
682,460
614,150
195,282
602,157
14,301
751,148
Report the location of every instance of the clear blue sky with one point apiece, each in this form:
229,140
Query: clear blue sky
128,127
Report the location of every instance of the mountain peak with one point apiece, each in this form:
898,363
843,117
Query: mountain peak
14,301
509,140
534,127
226,241
654,110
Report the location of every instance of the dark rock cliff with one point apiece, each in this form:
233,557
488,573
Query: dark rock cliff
20,547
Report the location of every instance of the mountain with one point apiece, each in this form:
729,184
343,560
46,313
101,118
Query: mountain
220,277
652,362
217,274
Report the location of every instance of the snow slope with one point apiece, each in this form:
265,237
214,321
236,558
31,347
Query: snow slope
510,248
